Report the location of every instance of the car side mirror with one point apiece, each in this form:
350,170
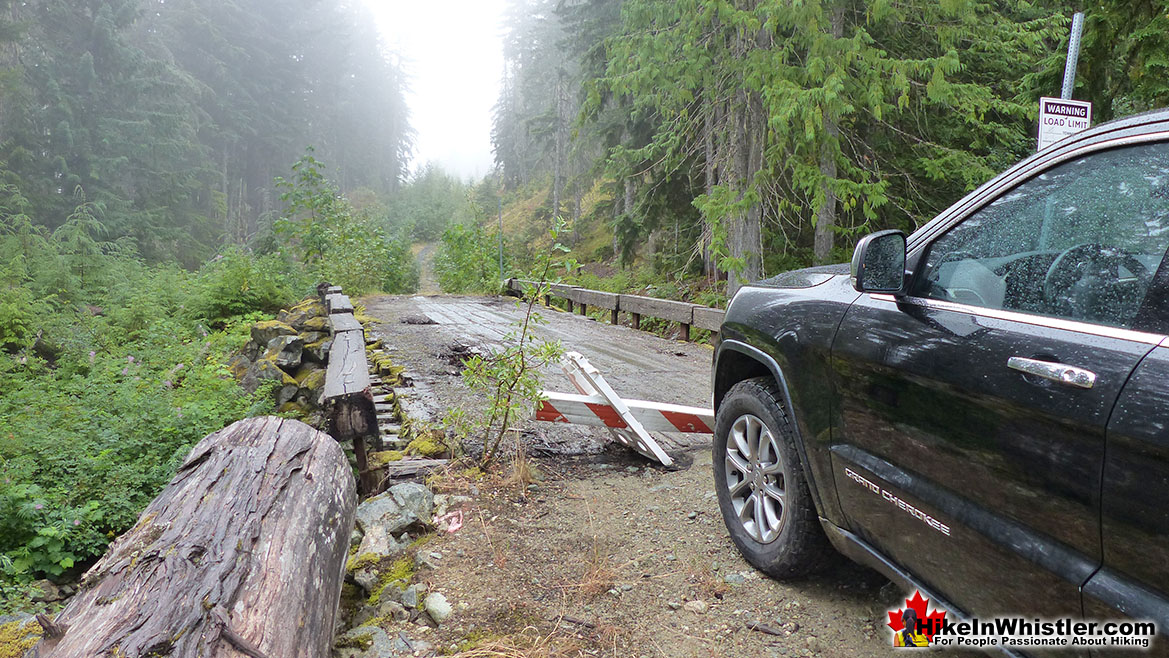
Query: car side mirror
878,264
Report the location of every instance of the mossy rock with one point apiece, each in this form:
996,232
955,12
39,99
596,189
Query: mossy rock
285,351
366,319
313,382
383,457
264,370
298,315
286,395
360,640
316,324
359,562
17,637
307,370
310,305
269,365
264,332
399,574
318,352
374,345
292,408
427,445
313,336
238,366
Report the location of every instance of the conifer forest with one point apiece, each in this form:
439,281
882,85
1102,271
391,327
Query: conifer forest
173,171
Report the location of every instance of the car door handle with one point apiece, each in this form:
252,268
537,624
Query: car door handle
1056,372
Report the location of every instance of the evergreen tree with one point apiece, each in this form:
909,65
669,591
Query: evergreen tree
784,101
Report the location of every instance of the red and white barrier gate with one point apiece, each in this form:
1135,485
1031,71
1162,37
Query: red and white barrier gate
628,421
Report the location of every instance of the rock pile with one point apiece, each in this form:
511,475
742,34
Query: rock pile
385,603
291,350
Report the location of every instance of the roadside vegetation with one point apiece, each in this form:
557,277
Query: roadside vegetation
111,370
112,367
729,142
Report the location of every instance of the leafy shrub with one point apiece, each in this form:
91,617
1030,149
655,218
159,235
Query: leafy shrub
236,283
337,243
88,441
123,379
16,315
468,260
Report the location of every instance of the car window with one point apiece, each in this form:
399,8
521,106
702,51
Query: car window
1081,241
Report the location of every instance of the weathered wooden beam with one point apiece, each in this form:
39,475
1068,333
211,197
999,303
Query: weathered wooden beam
410,468
338,303
519,286
658,308
347,397
562,290
606,300
710,319
344,322
242,554
348,372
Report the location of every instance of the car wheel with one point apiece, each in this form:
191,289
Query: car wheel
762,492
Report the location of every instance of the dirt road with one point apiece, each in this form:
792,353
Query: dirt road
608,554
424,257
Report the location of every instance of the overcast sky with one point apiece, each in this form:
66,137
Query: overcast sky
452,49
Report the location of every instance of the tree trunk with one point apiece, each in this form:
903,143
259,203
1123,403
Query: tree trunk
576,199
560,138
746,227
709,268
748,142
627,209
242,554
826,215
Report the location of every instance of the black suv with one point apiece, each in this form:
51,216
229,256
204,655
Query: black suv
980,410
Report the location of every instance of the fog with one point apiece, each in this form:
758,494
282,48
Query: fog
452,52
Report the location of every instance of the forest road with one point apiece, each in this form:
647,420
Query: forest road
608,554
424,257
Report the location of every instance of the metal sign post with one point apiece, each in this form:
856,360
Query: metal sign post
1062,117
1069,69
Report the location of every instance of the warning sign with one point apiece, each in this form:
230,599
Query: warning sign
1059,118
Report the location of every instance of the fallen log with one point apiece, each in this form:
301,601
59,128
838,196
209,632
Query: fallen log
242,554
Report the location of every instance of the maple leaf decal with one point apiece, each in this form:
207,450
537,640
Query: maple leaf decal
931,621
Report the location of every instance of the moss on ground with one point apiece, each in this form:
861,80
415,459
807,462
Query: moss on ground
383,457
426,446
400,573
362,641
359,562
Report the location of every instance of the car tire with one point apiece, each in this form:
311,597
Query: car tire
763,495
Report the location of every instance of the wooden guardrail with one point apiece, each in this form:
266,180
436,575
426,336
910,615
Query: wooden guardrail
347,398
685,314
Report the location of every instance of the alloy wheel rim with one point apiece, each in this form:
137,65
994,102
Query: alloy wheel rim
756,478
